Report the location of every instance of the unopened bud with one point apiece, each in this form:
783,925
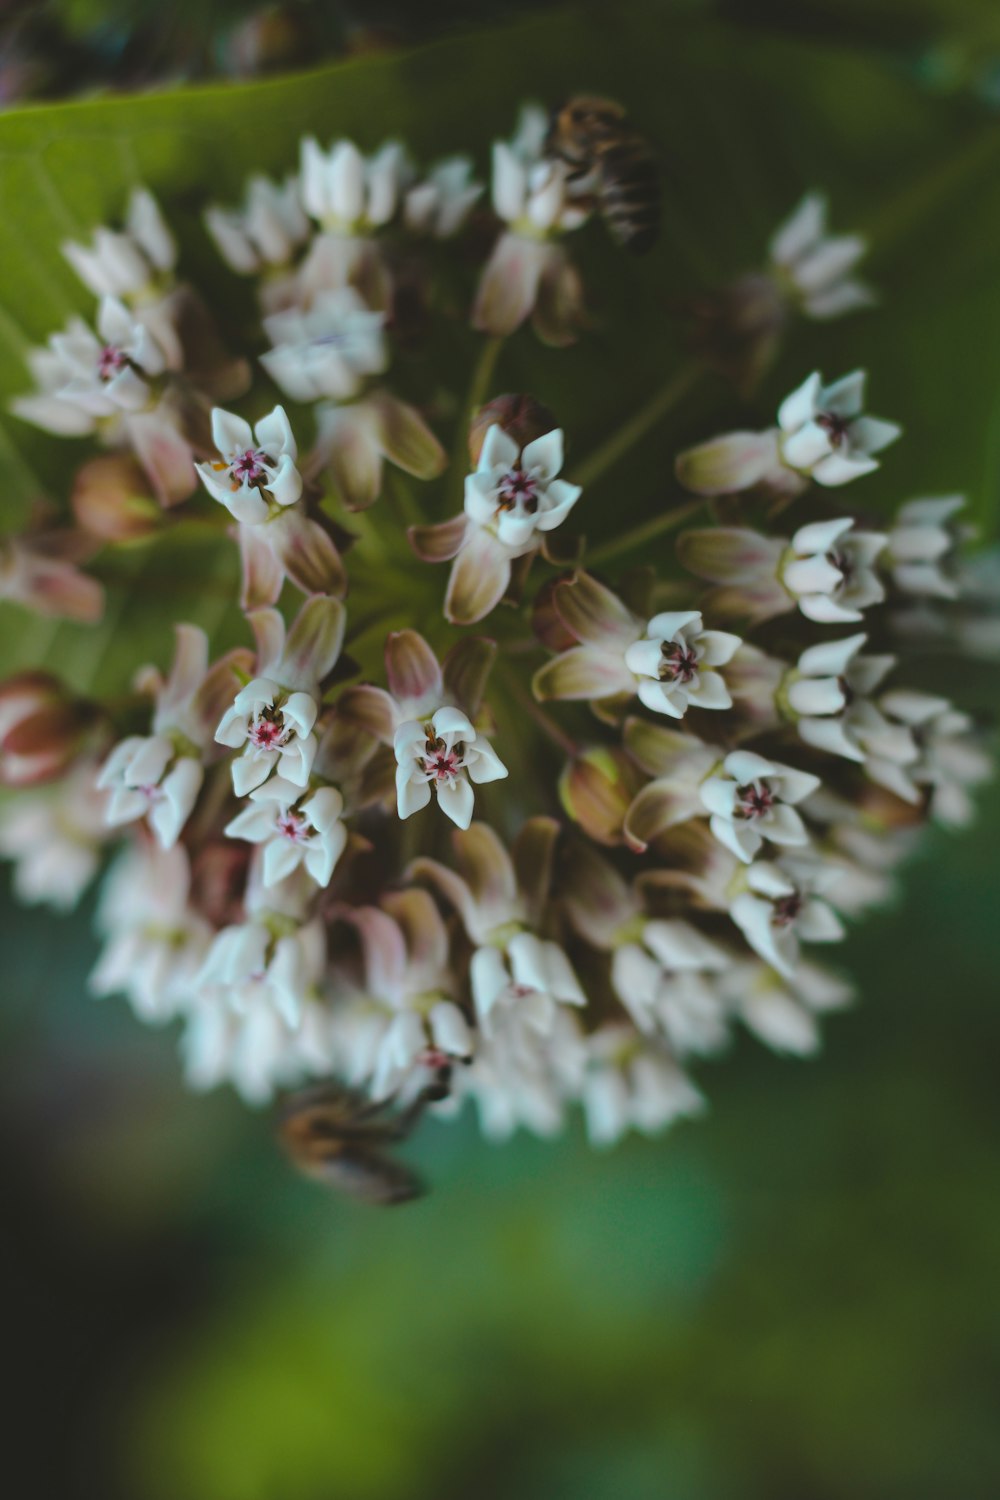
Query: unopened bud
42,729
596,790
112,499
521,417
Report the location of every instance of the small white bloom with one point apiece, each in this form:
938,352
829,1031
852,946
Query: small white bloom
782,906
274,728
814,267
155,942
823,433
257,470
529,1067
829,692
267,962
445,753
295,829
632,1084
149,777
265,231
752,800
948,760
829,570
515,493
348,193
328,350
527,971
921,544
677,664
440,204
534,197
54,838
782,1013
126,263
665,983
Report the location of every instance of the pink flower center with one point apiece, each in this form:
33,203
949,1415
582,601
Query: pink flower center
440,763
268,732
111,361
518,491
293,825
834,426
248,467
755,800
434,1058
678,663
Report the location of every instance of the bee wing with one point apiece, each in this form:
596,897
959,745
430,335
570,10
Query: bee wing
367,1176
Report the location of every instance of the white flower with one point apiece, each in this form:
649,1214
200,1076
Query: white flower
255,1049
665,985
440,204
533,196
677,664
829,693
148,778
823,433
446,753
782,1013
752,799
274,728
265,231
528,1068
921,543
514,492
328,350
829,571
265,962
814,267
294,828
348,193
948,757
154,941
527,971
126,263
782,906
85,377
54,838
632,1084
257,470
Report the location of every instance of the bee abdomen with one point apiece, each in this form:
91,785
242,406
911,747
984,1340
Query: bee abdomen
630,195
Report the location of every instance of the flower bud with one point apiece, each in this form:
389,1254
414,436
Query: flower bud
112,500
521,417
596,790
42,729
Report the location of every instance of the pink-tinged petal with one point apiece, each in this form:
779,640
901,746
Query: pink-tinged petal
729,555
384,951
457,801
657,807
404,436
424,934
371,709
728,464
308,553
488,874
466,669
455,891
188,668
441,542
350,445
594,614
598,902
596,789
165,456
57,589
559,305
313,643
663,752
508,287
412,670
262,570
479,578
582,673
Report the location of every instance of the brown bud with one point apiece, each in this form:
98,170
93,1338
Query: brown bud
522,417
42,729
596,790
112,499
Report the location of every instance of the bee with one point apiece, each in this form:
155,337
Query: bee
613,162
341,1139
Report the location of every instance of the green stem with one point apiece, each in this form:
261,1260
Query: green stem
637,426
544,721
479,384
639,535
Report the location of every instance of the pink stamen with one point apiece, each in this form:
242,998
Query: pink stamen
292,825
248,467
678,663
834,426
518,490
111,361
786,910
754,800
268,733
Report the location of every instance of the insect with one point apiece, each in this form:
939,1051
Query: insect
614,162
341,1139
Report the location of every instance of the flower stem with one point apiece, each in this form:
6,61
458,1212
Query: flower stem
636,427
479,384
639,535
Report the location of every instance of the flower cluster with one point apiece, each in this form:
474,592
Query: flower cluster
552,864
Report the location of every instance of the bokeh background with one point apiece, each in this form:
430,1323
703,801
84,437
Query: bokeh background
793,1298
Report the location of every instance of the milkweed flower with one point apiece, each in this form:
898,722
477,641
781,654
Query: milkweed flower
813,268
752,800
447,754
328,350
256,471
824,433
294,828
129,262
265,231
440,203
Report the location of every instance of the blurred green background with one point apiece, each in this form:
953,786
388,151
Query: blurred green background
791,1299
